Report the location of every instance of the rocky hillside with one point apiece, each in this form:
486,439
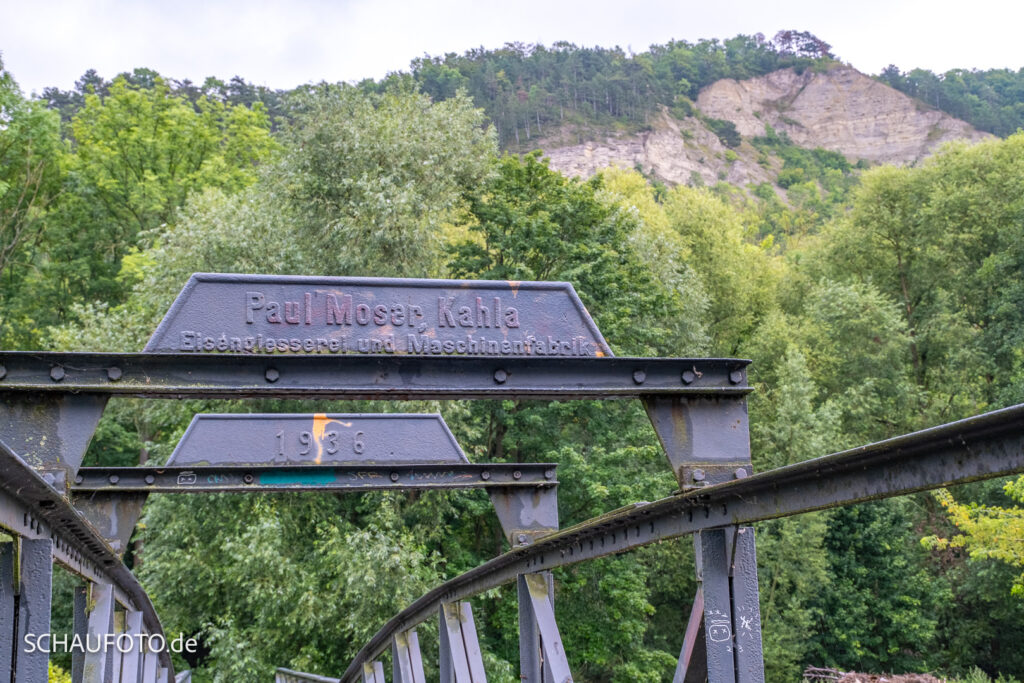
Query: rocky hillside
838,109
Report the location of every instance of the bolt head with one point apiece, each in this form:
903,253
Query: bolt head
114,478
522,538
485,475
57,373
114,373
500,376
688,376
272,374
394,476
741,473
150,479
698,475
639,376
247,478
549,474
517,474
736,376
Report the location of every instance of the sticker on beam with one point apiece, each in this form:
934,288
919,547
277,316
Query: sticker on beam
316,439
265,314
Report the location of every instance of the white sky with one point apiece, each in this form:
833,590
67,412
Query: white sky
282,44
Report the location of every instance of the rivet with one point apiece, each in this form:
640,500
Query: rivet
394,476
517,475
741,473
500,376
522,538
247,479
114,373
272,374
114,478
698,475
688,376
150,479
3,372
57,373
736,376
485,475
79,479
549,474
639,376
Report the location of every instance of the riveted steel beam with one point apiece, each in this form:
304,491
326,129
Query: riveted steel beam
387,377
362,477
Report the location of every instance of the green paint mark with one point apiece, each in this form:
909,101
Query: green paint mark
297,478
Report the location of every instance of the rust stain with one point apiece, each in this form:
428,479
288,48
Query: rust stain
599,353
514,284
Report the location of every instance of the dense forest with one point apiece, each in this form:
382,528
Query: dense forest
872,303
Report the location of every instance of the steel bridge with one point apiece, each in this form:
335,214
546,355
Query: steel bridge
271,337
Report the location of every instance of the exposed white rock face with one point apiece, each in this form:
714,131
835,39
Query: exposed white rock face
677,152
839,109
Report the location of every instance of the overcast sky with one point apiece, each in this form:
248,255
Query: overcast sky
282,44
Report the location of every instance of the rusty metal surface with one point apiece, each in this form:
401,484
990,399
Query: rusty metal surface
270,314
31,508
368,377
981,447
246,478
316,439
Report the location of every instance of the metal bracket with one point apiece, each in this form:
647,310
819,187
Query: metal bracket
526,514
113,515
707,440
50,432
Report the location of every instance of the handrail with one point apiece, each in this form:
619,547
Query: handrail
930,458
31,507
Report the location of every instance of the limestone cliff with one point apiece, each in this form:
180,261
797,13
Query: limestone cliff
838,109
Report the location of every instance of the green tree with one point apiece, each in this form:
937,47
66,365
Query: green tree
31,153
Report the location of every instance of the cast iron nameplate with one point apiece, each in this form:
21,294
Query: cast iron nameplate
267,314
316,439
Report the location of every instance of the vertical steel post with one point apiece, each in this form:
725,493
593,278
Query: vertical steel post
707,441
8,635
556,666
526,516
131,667
99,666
33,607
373,672
149,667
407,662
459,640
746,612
81,629
718,634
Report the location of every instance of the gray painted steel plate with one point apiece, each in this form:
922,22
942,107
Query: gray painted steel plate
316,439
265,314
